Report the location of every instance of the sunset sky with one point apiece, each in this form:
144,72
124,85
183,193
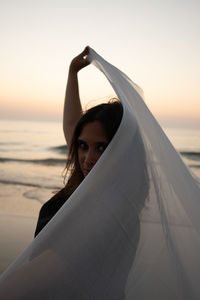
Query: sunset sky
156,43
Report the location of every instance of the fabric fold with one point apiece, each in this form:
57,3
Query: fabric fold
131,230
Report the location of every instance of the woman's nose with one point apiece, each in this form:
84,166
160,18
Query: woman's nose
90,157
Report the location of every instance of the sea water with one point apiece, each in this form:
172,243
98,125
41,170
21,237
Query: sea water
33,157
32,163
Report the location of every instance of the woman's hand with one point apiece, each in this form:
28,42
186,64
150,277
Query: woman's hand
80,61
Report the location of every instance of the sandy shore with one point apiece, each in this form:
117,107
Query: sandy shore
19,209
16,233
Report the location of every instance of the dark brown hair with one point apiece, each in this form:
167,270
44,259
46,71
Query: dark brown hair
109,115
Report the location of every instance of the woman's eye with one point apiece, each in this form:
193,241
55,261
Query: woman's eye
102,147
82,145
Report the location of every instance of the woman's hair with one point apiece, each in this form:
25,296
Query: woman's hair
109,115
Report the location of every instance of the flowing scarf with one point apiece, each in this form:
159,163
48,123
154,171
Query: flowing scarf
131,230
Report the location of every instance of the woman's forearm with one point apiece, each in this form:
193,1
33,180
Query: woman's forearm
72,106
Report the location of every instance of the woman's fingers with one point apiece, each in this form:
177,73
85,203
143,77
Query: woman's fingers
83,56
80,61
85,52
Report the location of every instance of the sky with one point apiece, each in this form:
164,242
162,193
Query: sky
156,43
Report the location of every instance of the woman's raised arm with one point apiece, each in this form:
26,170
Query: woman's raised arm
72,107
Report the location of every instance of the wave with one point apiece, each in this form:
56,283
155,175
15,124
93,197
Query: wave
194,166
191,155
46,162
62,149
11,182
10,143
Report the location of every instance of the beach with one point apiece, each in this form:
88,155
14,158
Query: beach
32,165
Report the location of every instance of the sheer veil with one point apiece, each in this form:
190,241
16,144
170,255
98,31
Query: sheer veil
130,231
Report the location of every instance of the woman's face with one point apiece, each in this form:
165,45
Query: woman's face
91,144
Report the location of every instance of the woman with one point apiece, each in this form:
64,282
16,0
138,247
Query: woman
87,135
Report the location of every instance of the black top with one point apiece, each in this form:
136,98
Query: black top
50,208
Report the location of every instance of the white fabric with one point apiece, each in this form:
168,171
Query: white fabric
132,228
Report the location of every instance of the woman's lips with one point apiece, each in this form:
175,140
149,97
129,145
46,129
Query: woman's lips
86,171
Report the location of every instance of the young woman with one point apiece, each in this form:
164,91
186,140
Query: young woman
87,136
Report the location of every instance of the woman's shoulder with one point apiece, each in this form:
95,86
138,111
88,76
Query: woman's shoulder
50,208
56,201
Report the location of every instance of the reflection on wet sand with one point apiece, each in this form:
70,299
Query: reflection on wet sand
16,233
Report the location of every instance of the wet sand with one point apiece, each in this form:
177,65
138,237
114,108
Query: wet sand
16,233
19,209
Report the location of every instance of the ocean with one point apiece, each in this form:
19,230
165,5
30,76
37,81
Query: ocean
33,157
32,163
32,168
